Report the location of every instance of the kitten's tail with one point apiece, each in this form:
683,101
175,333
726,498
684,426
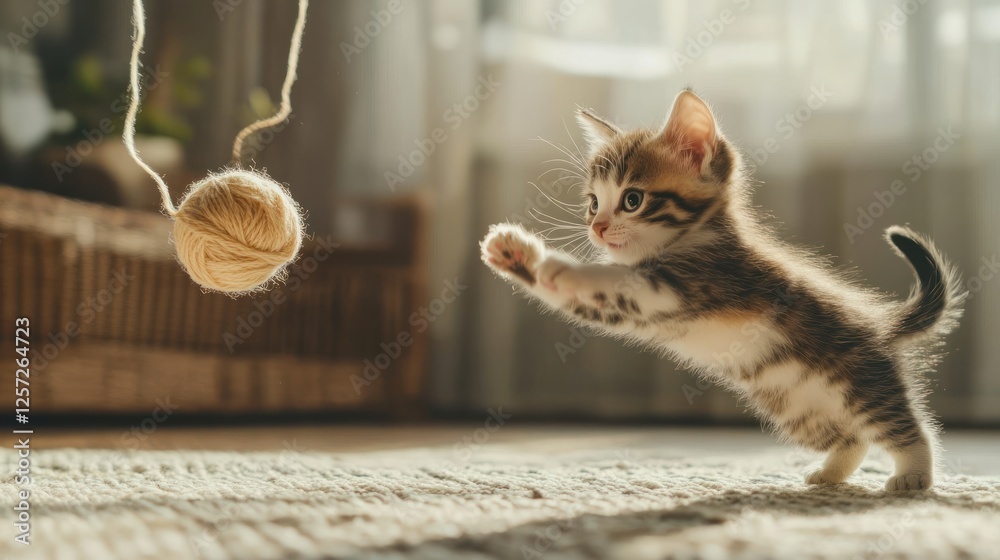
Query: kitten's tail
935,303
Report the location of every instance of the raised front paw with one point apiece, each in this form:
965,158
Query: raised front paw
513,252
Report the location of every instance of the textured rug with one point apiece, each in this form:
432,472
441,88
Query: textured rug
493,502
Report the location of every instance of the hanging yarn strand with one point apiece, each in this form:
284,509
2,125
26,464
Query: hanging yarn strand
128,135
236,230
286,87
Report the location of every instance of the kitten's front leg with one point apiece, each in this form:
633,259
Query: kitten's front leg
619,299
600,294
592,285
552,276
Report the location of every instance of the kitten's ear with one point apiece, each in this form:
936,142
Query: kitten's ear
690,129
597,130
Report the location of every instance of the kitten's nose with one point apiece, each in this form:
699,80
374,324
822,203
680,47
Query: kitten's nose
600,228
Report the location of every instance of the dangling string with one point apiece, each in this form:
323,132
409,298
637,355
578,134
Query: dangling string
128,136
286,88
139,20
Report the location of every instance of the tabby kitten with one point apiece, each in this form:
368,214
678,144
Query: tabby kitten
687,269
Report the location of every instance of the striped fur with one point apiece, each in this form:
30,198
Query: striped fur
826,363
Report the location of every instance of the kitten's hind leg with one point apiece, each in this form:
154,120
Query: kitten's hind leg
911,445
914,466
840,463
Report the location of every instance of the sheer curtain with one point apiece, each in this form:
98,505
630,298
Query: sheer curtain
831,102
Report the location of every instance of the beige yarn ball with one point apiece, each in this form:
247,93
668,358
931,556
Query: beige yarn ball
235,231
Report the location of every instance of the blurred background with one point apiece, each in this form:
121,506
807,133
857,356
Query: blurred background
415,125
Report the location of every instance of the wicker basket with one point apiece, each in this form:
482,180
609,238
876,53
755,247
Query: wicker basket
116,324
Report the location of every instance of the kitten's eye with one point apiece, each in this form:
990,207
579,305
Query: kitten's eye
593,205
632,200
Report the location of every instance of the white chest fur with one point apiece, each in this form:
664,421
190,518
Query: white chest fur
725,344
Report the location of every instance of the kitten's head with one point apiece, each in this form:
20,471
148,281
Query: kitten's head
647,190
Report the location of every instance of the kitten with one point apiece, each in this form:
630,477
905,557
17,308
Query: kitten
687,269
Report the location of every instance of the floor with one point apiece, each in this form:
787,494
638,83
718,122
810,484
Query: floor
480,491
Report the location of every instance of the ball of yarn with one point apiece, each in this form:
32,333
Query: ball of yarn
235,231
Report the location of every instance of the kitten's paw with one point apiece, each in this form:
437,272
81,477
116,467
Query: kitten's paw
512,251
910,481
823,476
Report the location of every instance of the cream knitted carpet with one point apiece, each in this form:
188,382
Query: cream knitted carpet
491,502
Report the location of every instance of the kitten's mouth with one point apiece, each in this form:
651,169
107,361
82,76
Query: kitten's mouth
605,243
